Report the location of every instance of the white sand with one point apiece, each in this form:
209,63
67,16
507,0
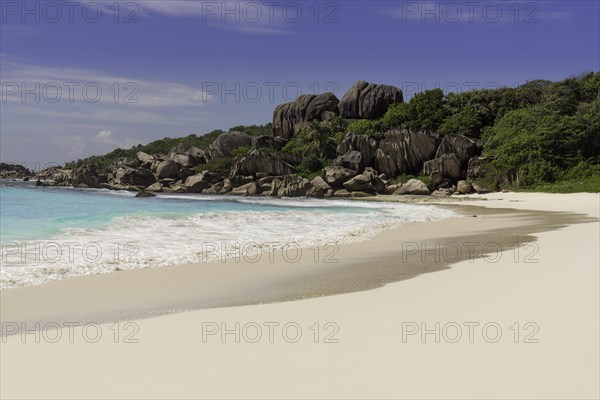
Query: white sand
559,294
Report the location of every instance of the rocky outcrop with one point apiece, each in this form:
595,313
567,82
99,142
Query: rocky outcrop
256,162
463,187
368,100
288,118
368,181
447,166
86,177
196,183
226,143
365,145
268,142
144,157
167,169
14,171
335,176
135,176
404,152
319,188
460,145
413,186
352,160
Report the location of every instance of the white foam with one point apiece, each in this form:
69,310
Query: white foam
149,241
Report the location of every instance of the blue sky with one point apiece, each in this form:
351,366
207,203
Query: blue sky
181,67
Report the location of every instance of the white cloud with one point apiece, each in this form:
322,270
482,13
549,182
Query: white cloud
81,86
105,137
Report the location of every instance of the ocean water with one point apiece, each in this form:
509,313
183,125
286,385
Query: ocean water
54,233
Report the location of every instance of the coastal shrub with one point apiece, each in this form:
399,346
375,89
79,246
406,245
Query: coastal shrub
216,165
371,128
311,163
241,151
315,138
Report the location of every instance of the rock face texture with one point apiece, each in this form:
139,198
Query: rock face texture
86,177
368,100
460,145
335,176
447,165
256,162
226,143
413,186
135,176
288,118
404,152
366,146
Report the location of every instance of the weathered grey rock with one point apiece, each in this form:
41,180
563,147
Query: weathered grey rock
185,173
368,181
264,142
288,118
443,192
413,186
144,193
86,177
237,181
368,100
342,193
258,162
185,160
167,169
448,165
460,145
484,176
365,145
319,188
196,184
155,187
404,152
226,143
464,187
351,160
135,177
144,157
335,176
176,187
249,189
390,189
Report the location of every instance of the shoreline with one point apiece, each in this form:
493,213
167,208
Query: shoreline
393,255
558,295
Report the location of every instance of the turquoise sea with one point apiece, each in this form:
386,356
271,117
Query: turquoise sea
53,233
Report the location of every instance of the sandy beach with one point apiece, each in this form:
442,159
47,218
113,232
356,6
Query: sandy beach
500,302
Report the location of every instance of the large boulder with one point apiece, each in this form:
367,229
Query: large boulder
196,184
185,160
266,142
86,177
290,186
226,143
256,162
319,188
135,176
335,176
403,152
167,169
288,118
446,166
368,181
460,145
352,160
365,145
368,100
413,186
144,157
